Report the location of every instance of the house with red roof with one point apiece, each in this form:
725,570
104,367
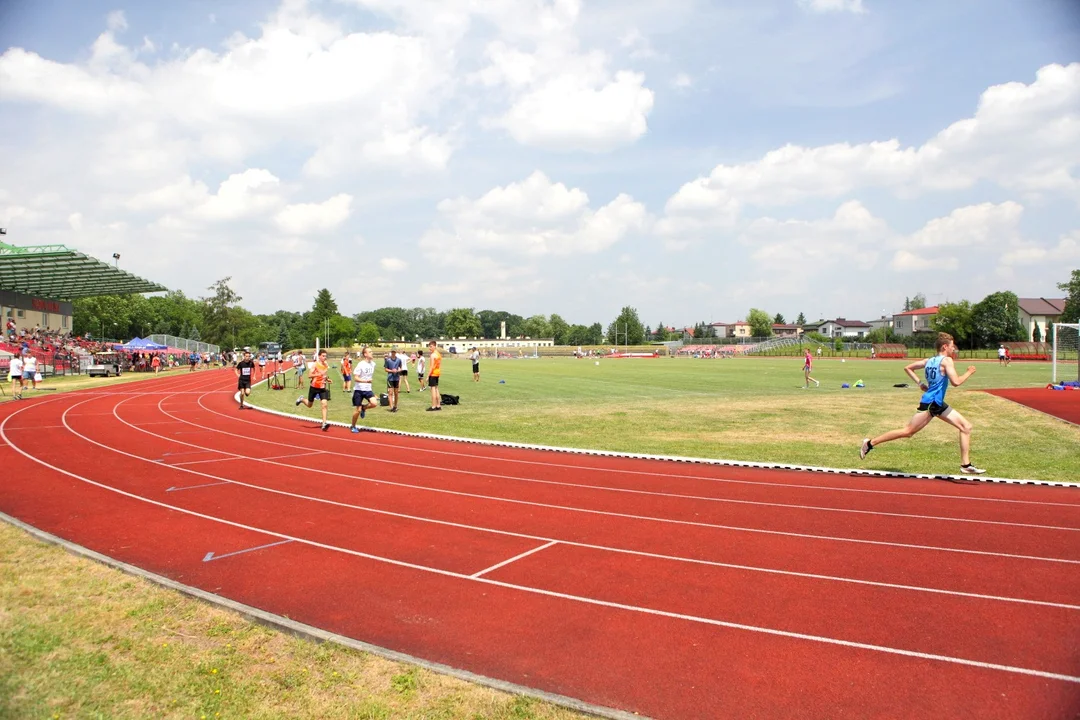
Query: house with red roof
912,322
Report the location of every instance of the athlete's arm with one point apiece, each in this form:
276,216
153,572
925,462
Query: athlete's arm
910,370
950,372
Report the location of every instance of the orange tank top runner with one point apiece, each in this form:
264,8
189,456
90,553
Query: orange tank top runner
436,363
318,375
346,366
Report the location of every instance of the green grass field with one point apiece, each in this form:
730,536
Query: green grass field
743,409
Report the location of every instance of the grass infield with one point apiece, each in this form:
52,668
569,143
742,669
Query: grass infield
752,409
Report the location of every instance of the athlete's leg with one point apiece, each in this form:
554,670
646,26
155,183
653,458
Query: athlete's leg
962,424
918,421
322,403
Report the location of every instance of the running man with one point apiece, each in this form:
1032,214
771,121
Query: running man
475,357
363,397
420,369
433,378
244,370
320,387
346,372
262,365
392,365
807,366
940,372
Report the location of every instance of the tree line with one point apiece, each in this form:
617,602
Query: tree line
218,318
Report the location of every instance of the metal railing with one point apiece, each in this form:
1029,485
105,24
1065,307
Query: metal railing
184,344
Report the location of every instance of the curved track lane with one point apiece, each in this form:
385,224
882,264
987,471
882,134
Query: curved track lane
666,589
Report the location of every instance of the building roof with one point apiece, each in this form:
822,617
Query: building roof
781,326
58,272
843,322
933,310
1042,306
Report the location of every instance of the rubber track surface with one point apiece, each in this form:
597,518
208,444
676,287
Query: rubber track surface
665,589
1064,404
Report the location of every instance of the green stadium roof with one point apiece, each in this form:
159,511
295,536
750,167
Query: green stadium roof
60,273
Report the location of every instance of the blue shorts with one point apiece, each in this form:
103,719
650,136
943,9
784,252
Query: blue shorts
346,378
359,396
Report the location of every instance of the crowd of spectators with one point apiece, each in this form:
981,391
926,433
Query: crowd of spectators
44,343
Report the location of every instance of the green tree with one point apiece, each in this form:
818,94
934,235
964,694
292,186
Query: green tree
626,329
760,323
537,326
801,320
463,322
560,329
918,302
956,319
595,334
996,319
218,312
283,334
1071,313
367,333
342,331
779,319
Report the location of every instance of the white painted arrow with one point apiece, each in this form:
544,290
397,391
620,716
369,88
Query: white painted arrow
211,556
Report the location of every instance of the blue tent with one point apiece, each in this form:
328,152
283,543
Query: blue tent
133,344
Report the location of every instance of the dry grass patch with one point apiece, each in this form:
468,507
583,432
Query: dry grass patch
79,639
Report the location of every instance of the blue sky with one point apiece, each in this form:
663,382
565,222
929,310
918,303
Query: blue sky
693,159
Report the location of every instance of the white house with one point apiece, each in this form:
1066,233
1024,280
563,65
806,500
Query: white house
844,328
914,321
1039,312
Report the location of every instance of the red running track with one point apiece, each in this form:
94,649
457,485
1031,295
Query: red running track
666,589
1063,404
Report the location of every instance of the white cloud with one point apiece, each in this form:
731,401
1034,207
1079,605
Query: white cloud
310,218
1066,251
979,226
116,21
1022,137
391,264
826,6
682,81
907,261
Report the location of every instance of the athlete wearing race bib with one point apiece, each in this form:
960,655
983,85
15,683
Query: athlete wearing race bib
363,397
243,370
940,373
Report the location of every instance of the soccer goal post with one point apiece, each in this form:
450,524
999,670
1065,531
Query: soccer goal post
1066,347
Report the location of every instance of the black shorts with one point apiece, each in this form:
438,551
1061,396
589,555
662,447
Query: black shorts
244,384
433,381
359,396
392,381
314,394
936,409
476,367
403,373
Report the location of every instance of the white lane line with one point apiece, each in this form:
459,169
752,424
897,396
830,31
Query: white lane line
605,513
504,563
233,456
197,462
618,471
564,596
211,556
706,498
447,523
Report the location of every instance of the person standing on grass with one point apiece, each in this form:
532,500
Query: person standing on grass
475,357
940,372
29,372
1001,354
16,377
244,370
363,397
420,369
300,363
320,388
392,365
808,365
403,376
262,365
435,374
346,372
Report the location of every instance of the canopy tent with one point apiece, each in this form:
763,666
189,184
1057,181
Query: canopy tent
141,344
56,271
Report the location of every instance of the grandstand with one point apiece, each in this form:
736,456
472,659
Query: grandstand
884,351
1028,350
37,287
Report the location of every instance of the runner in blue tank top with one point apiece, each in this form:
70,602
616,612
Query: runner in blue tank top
940,373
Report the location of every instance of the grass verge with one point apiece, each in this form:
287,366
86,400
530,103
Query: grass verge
82,640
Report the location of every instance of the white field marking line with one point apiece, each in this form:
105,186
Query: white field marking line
237,457
580,451
654,493
38,427
599,512
564,596
507,533
504,563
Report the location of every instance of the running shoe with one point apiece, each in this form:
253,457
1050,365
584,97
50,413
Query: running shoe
393,409
817,383
363,412
298,401
865,449
325,427
971,470
354,430
432,409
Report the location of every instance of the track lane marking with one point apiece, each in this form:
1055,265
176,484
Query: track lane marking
508,533
517,557
568,466
574,598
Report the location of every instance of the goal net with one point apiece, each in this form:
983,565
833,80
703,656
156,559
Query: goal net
1066,346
